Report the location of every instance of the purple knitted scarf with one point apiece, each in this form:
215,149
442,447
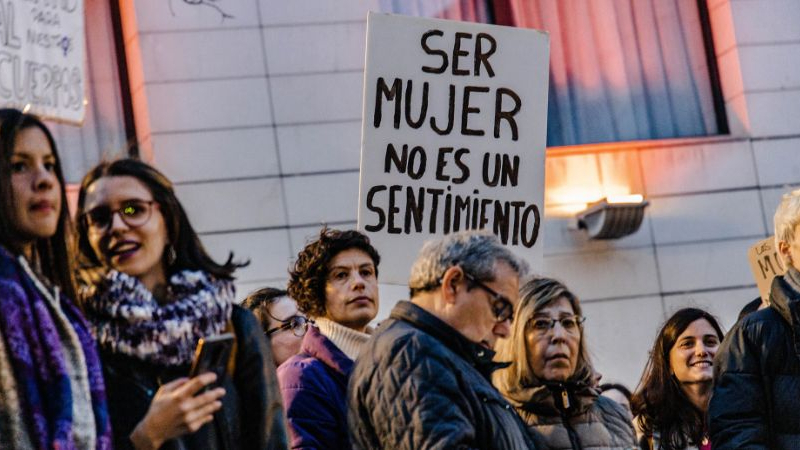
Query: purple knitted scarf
34,350
126,318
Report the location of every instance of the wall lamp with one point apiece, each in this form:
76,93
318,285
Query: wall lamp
612,217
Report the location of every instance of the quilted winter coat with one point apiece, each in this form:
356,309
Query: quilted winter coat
421,384
570,417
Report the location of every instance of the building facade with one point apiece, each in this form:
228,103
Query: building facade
253,108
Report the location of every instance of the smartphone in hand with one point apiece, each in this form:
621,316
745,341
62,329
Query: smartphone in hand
212,355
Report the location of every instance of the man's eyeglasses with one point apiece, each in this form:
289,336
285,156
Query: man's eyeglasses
502,308
298,325
134,213
543,325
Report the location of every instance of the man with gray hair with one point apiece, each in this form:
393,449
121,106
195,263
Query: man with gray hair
423,381
757,368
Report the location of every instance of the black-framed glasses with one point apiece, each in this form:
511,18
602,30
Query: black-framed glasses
571,324
298,325
134,213
502,308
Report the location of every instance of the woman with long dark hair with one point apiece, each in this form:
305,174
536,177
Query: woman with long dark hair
671,404
152,292
51,384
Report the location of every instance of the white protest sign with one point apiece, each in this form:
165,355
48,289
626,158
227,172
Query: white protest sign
765,264
42,57
453,137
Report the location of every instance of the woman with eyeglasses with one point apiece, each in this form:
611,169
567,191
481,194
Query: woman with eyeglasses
282,323
52,393
551,381
671,402
153,292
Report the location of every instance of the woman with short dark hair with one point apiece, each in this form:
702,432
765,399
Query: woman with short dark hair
308,277
153,292
671,402
335,282
52,393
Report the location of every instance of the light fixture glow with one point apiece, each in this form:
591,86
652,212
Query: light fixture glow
631,198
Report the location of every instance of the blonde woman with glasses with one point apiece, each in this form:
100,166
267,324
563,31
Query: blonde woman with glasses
551,381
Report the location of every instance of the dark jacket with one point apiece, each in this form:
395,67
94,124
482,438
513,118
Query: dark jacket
421,384
757,378
314,389
250,416
585,420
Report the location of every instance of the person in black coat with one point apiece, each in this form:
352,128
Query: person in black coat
424,380
757,373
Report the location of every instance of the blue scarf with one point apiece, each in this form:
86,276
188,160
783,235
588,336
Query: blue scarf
38,360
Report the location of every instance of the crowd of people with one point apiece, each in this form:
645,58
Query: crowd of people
100,319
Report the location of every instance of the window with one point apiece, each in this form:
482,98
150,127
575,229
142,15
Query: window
619,70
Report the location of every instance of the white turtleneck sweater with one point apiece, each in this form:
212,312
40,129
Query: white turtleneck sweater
349,341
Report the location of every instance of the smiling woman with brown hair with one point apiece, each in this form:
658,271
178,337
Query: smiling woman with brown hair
551,381
671,403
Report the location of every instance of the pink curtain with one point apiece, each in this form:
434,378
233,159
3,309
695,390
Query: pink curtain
621,70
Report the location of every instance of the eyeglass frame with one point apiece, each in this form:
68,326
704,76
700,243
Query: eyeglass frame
496,297
286,324
579,320
118,211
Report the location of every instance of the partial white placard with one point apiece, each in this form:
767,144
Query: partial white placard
42,57
453,137
766,264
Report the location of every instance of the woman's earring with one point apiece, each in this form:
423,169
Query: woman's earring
171,255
